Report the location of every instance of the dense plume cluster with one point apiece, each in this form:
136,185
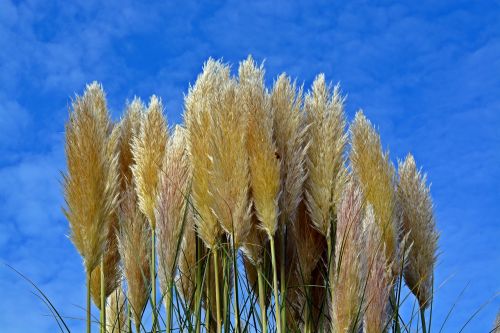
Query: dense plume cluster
264,210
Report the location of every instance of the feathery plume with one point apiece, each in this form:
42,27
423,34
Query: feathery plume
327,140
289,136
134,243
148,150
263,164
230,174
172,205
199,105
346,277
111,256
418,223
130,125
378,276
90,184
376,175
116,314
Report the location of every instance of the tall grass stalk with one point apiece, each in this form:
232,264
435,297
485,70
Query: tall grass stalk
89,309
103,298
217,289
275,285
262,299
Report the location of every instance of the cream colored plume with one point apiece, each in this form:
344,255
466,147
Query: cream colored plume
90,185
116,312
230,177
325,162
199,106
378,277
347,274
418,223
289,136
263,162
148,149
111,256
134,243
496,324
130,126
376,174
172,204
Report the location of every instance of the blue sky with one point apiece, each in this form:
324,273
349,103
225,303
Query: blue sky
427,73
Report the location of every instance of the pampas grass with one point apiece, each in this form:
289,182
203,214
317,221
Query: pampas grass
376,174
135,249
378,277
91,182
346,277
263,164
148,149
171,211
253,172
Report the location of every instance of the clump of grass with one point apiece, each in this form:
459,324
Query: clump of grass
253,171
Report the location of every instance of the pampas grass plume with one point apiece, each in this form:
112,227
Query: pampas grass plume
347,279
289,135
418,223
378,276
90,184
327,140
135,249
199,104
172,205
377,177
148,150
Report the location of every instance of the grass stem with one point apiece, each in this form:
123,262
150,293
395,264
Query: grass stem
275,285
88,302
103,298
262,299
217,291
422,318
153,280
283,275
235,283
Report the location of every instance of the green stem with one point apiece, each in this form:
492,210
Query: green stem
153,280
235,283
283,275
275,285
329,268
422,318
217,296
129,316
262,299
103,298
137,327
395,308
88,302
169,307
208,301
199,287
226,292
